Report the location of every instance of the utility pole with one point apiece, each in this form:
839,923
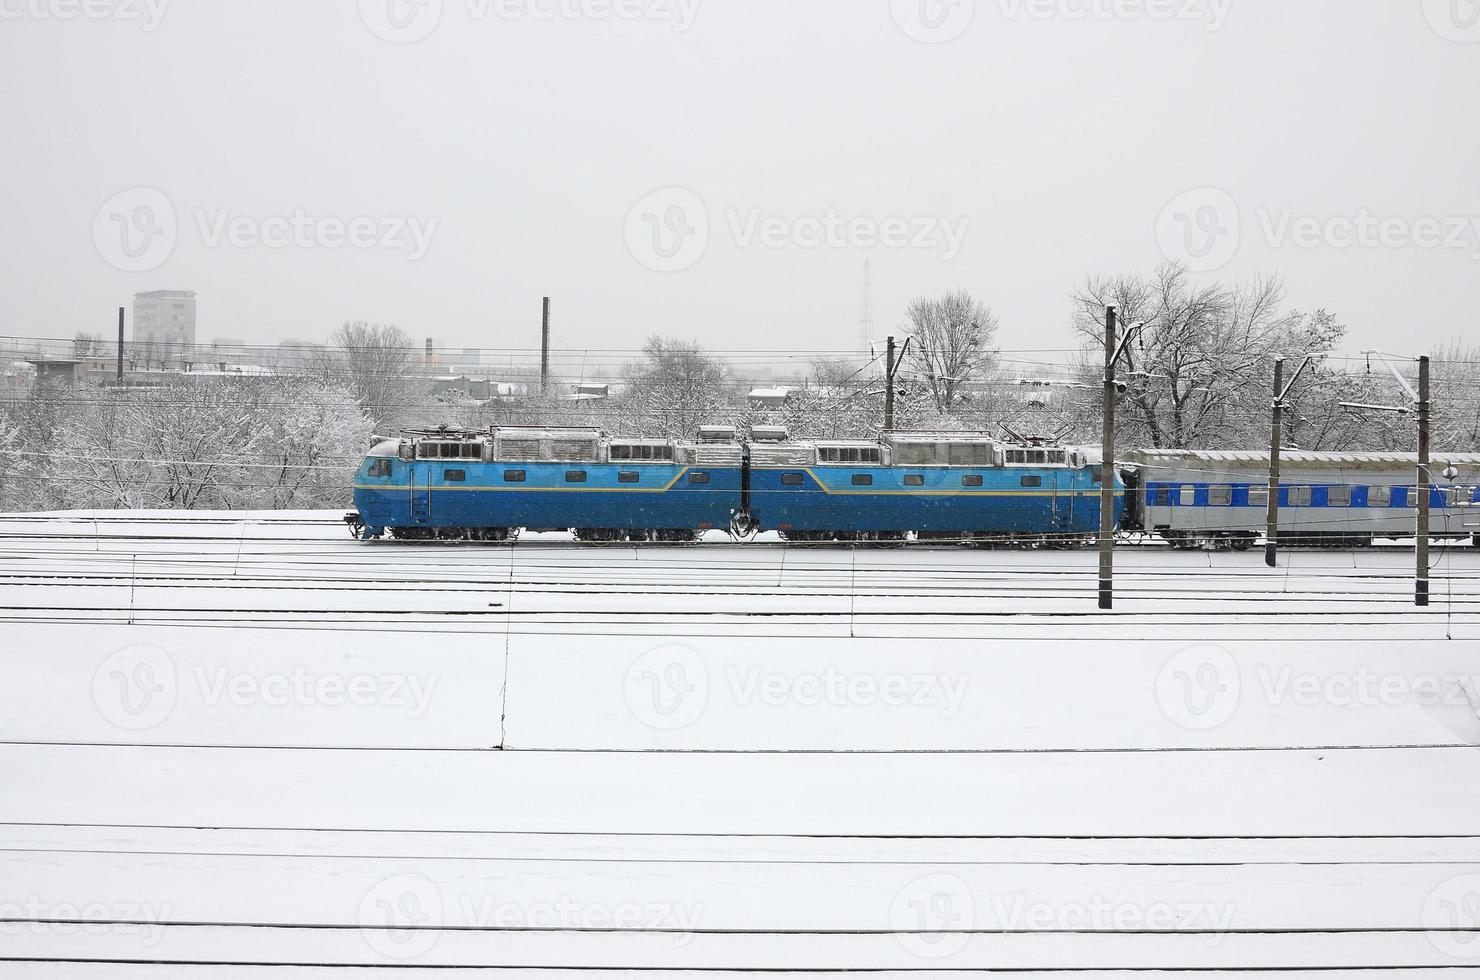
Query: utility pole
120,345
889,386
545,350
1272,513
1421,585
1107,474
1276,436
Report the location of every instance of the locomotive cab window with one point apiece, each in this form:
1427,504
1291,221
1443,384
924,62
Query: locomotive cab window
381,467
791,479
455,476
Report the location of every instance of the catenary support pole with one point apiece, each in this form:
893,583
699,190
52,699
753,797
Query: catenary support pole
1425,484
889,386
1272,513
120,345
1107,474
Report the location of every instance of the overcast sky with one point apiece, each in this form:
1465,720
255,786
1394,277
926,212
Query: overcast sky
721,169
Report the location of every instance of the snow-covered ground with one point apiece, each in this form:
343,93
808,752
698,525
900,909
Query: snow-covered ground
245,739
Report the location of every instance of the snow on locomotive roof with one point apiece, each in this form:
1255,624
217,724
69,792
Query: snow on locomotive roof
926,436
1258,458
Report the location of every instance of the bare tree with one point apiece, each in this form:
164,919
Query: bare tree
676,387
1199,373
951,344
379,361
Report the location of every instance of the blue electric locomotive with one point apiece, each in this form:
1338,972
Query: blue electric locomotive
935,484
485,486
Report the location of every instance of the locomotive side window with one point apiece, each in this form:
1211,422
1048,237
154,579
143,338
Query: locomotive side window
514,476
1032,481
863,479
914,480
1379,496
575,476
381,467
698,479
1220,496
1300,496
971,481
629,476
1339,496
791,479
455,476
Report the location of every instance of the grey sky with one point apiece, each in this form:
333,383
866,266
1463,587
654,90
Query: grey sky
1048,137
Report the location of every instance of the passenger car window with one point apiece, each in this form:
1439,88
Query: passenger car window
1187,496
1300,496
455,476
1220,496
1259,496
1379,496
1339,496
513,476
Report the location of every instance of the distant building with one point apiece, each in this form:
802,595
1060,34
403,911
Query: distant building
166,317
769,397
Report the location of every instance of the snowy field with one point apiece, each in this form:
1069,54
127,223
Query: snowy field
229,741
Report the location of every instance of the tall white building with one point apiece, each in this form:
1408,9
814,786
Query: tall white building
166,317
